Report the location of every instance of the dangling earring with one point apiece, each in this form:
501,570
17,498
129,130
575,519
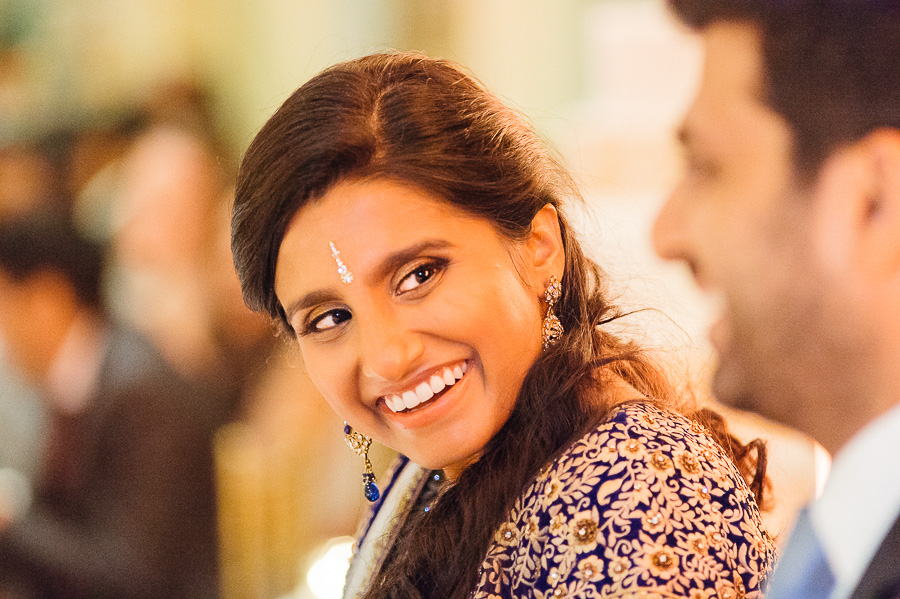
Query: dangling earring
552,328
360,443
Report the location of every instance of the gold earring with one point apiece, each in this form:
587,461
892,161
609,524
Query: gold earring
552,328
360,444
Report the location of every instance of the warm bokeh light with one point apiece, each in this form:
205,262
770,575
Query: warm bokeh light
326,576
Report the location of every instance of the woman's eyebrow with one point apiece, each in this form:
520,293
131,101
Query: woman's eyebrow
395,260
384,269
309,300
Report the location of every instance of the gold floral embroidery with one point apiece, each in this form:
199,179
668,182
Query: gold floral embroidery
551,491
702,492
725,590
583,532
553,576
689,464
661,462
654,522
646,505
661,561
557,524
619,567
631,447
590,568
697,542
739,586
533,529
715,537
507,534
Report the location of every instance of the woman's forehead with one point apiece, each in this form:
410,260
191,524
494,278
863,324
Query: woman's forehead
363,212
363,223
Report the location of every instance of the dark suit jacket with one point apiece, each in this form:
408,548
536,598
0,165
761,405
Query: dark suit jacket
134,517
881,580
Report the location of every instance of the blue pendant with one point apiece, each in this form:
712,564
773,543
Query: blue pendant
370,488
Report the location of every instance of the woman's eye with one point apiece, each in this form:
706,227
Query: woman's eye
328,320
420,275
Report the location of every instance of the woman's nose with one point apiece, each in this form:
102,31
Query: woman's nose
389,349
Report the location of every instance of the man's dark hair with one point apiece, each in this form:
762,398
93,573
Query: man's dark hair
46,241
832,67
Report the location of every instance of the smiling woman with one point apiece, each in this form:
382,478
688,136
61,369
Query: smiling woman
406,229
426,349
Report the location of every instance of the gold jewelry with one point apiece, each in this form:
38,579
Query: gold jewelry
343,271
360,444
552,328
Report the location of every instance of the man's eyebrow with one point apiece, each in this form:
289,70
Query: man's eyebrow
384,269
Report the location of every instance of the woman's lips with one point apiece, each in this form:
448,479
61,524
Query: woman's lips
435,385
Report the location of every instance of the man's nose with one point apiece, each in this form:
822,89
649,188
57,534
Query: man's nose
670,231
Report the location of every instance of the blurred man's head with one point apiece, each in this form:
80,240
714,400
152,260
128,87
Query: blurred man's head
171,186
789,207
48,275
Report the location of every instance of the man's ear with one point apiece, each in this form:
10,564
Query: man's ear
880,218
544,247
858,213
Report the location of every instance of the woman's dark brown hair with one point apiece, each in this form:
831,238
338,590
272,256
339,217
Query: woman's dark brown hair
427,123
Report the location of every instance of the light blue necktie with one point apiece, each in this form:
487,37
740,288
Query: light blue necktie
803,571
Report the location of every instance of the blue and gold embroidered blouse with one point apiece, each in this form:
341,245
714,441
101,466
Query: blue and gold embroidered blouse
645,505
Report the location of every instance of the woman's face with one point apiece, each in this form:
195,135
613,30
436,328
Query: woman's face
416,321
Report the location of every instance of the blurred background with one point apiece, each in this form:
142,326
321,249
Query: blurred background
131,116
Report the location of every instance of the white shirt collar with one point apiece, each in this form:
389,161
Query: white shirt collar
860,501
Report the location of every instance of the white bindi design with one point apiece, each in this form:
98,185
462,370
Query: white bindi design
346,275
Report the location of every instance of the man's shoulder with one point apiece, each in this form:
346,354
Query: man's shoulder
130,356
135,378
881,578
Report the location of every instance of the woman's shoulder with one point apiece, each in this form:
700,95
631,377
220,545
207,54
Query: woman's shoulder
399,485
647,435
647,441
639,447
646,501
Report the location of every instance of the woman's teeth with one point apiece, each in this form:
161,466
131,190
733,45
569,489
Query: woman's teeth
424,391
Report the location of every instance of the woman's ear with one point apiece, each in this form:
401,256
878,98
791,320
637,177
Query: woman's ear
544,247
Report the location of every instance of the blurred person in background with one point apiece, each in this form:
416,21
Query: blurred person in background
176,282
789,209
124,502
36,172
170,189
30,177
